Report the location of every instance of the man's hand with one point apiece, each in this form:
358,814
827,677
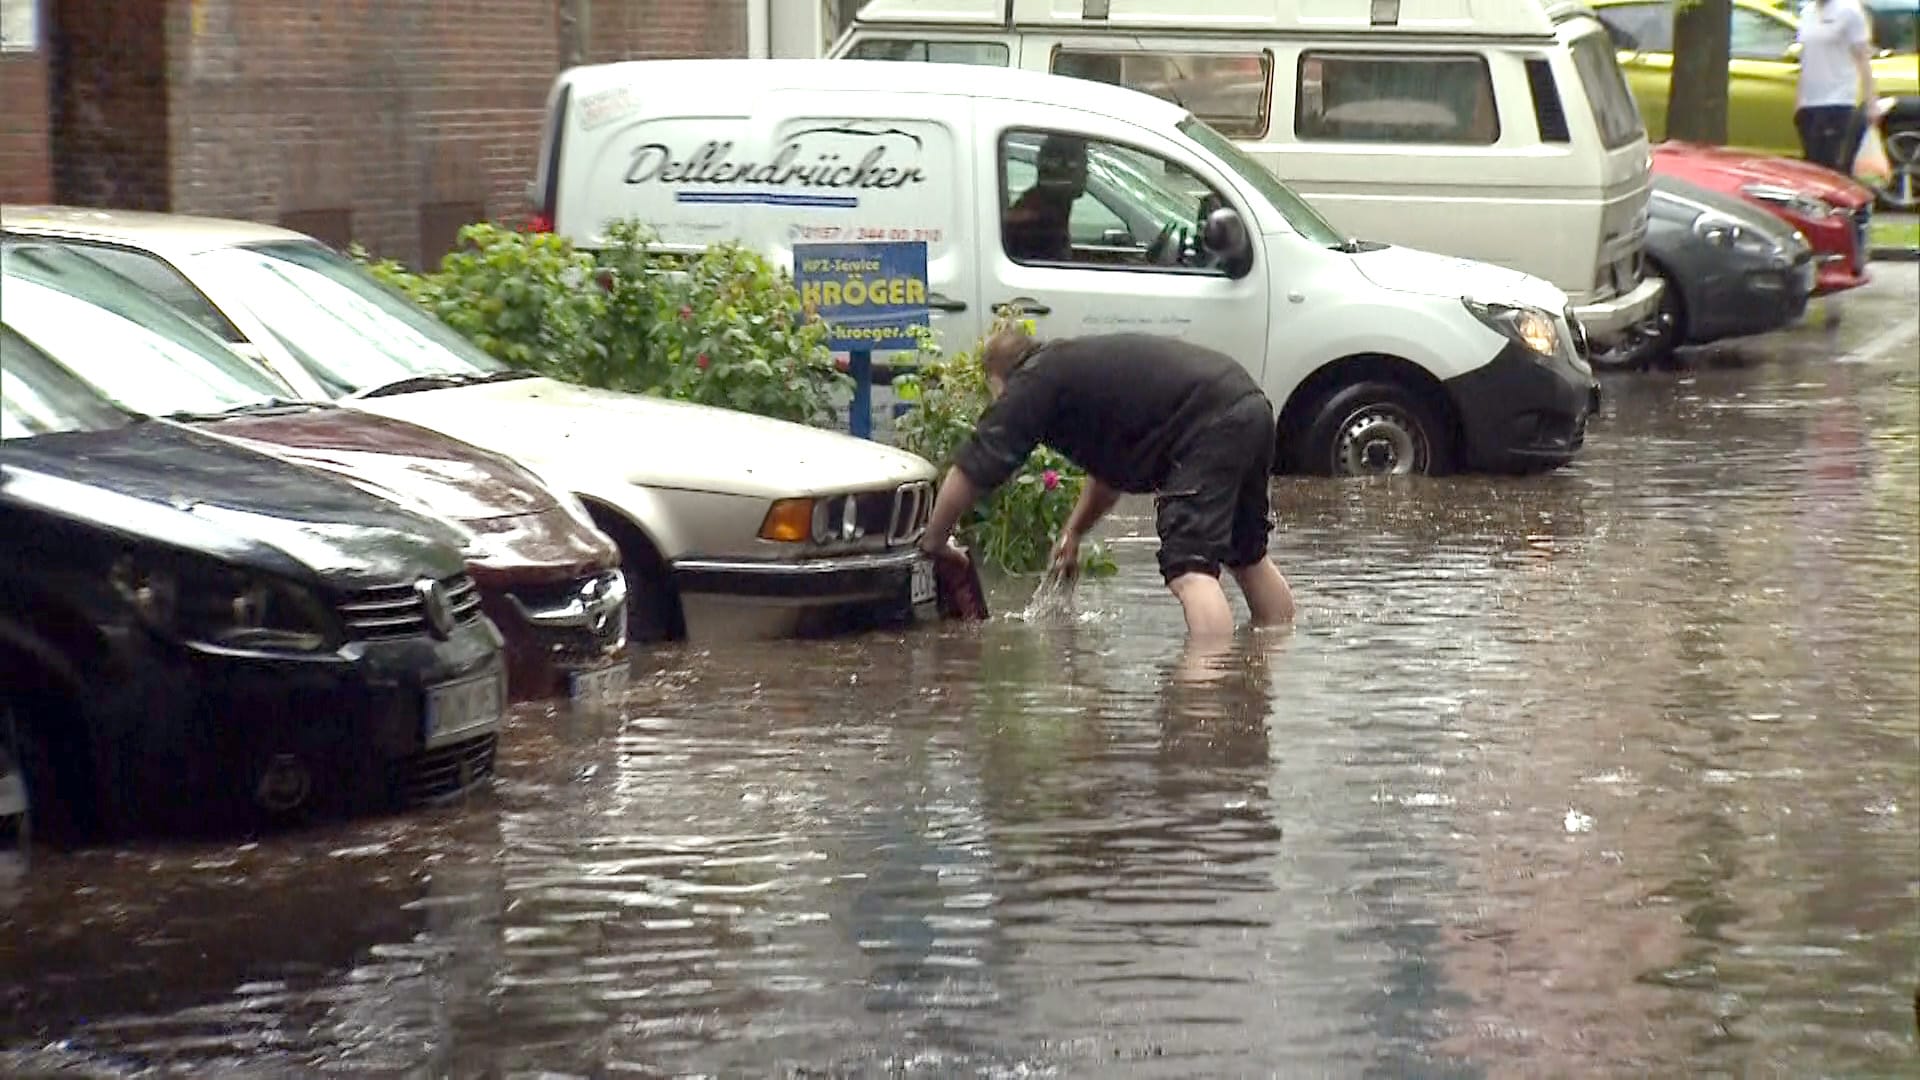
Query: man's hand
944,550
1065,564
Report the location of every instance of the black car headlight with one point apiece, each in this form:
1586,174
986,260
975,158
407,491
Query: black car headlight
1728,234
1529,326
206,604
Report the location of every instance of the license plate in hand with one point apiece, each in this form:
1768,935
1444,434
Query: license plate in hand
922,590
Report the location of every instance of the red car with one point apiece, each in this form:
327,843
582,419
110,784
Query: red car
1832,211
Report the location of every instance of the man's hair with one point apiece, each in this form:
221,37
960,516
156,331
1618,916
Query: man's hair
1006,349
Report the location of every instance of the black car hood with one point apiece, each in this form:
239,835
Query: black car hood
160,482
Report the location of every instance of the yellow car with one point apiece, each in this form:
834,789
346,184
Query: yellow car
1762,74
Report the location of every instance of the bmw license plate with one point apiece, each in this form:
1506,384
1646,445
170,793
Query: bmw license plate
922,590
461,710
597,687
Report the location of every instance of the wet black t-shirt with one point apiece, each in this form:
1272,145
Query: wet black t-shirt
1117,405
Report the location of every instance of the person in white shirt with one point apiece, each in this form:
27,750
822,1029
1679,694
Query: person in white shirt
1836,82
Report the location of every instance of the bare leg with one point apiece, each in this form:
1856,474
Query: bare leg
1205,604
1268,595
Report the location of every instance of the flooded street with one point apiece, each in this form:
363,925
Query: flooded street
1610,771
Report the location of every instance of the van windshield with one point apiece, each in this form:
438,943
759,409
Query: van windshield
1614,112
1305,219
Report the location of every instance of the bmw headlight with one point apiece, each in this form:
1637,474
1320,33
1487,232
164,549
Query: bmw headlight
214,605
1788,199
1724,232
1529,326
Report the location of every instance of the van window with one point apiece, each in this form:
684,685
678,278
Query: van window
1549,115
1614,111
1230,91
989,53
1639,27
1396,98
1068,199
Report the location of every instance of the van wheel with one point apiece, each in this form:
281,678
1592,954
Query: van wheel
653,613
1377,428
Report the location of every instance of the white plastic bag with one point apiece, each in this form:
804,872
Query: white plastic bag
1870,164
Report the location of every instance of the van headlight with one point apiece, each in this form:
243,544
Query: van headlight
1529,326
1724,232
207,604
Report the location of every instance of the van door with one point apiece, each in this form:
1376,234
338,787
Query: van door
1089,225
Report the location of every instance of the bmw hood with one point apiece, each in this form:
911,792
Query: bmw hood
1424,273
654,442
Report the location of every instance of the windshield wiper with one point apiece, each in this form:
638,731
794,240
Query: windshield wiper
275,406
440,380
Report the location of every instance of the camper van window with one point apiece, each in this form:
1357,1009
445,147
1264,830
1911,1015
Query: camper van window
988,53
1231,91
1614,111
1639,27
1069,199
1396,98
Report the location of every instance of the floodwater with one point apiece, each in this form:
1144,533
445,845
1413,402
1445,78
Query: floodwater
1612,771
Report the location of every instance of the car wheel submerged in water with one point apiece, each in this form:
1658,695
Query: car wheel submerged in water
1647,345
1377,428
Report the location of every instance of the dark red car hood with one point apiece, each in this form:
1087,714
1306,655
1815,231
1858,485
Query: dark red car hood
1727,170
515,520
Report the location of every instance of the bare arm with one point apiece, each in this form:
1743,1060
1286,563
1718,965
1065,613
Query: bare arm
958,493
1096,498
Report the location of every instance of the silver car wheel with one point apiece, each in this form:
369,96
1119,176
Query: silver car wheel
1381,440
1903,153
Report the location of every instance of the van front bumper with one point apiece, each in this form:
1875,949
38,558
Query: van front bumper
1523,413
1607,321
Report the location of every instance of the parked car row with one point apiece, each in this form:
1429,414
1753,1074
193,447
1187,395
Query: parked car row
1312,99
247,562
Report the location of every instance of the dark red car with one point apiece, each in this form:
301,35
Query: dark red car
549,580
1832,211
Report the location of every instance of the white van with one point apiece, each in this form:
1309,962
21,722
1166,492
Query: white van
1496,130
1378,358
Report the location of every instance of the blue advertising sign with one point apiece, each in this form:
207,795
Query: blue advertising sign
871,296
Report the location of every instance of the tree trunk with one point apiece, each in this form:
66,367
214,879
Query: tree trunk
1697,94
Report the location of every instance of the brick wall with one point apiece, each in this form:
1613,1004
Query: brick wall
387,122
26,154
661,29
108,61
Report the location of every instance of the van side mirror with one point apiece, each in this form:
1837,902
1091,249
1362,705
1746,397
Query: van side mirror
1225,238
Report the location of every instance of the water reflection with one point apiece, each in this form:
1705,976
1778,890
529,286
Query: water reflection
1609,770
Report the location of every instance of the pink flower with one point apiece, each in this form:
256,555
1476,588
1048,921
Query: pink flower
686,313
703,361
1049,479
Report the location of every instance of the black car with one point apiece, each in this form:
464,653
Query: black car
189,625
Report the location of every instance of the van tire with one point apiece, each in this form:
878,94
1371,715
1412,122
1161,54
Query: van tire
1374,428
653,610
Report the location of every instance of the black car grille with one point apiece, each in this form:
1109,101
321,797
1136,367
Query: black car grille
400,611
450,770
896,516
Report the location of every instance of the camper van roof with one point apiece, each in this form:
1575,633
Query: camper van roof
758,78
1455,17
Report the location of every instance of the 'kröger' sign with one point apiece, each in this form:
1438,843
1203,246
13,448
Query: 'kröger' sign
871,296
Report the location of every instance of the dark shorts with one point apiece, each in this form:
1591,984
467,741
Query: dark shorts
1213,509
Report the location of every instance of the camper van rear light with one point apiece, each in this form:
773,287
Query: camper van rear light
540,223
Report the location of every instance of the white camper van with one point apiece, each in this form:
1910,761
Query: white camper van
1090,208
1496,130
